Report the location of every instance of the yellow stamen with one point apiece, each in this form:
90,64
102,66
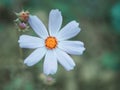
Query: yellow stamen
51,42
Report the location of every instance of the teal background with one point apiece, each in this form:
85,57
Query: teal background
97,69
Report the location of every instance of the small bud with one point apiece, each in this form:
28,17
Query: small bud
22,25
23,16
48,80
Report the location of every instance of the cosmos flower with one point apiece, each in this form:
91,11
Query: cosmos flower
54,44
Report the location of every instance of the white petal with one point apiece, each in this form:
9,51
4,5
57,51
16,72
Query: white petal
50,63
26,41
69,31
64,59
38,26
55,21
72,47
35,56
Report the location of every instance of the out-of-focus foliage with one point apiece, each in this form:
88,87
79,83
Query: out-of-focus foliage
97,69
19,83
111,61
115,16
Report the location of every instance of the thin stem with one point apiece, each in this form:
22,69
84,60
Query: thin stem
20,49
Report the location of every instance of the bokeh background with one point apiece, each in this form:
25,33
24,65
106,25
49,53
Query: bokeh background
97,69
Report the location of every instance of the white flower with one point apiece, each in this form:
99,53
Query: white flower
53,44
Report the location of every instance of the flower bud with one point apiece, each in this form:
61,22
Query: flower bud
22,25
48,80
23,16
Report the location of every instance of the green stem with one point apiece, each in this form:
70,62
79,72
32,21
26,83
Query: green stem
20,49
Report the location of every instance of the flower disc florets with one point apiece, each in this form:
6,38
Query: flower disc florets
51,42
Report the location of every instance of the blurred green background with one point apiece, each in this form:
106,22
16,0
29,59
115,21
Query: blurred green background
97,69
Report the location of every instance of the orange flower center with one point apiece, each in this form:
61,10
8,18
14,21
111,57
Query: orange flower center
51,42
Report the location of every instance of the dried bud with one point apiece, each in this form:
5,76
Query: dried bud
23,16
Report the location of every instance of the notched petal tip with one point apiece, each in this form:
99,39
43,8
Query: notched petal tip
28,64
84,49
19,41
75,23
81,43
49,73
25,62
55,10
79,30
21,38
70,68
